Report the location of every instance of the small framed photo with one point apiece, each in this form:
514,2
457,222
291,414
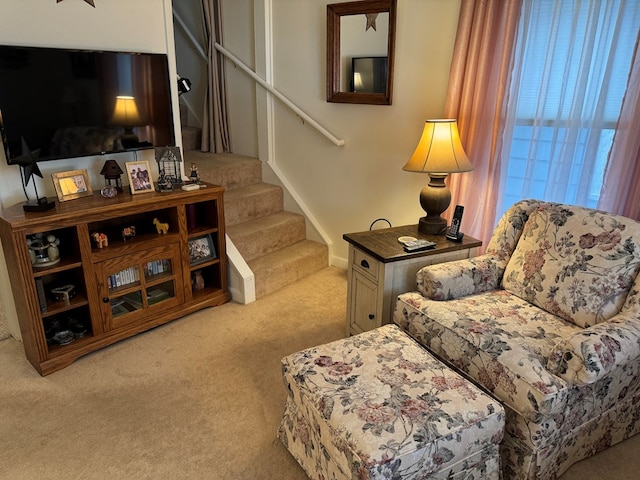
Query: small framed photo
139,177
201,249
72,184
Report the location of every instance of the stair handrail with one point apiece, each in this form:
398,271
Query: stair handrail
337,141
306,117
190,36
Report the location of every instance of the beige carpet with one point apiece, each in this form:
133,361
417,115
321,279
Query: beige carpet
4,330
199,398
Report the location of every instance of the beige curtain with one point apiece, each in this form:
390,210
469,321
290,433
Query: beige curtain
157,117
478,87
620,191
215,128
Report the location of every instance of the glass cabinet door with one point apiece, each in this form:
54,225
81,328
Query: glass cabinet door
136,289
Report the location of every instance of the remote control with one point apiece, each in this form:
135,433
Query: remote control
418,245
191,186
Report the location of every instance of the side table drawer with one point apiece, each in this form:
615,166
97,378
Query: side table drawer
366,308
365,264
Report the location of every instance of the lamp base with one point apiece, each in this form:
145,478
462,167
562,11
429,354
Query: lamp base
434,199
431,225
40,205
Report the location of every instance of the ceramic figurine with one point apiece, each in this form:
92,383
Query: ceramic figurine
128,232
100,239
43,249
164,184
161,228
52,251
198,281
193,176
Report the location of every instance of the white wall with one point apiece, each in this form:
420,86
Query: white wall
238,31
345,188
126,25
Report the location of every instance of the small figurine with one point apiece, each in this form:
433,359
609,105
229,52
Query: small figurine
162,228
198,280
43,249
193,176
52,250
164,183
128,232
100,239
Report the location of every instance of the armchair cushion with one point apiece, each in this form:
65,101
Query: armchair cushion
574,262
446,281
498,339
464,277
507,233
588,355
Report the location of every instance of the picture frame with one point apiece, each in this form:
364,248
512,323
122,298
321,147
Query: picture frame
72,184
139,175
201,249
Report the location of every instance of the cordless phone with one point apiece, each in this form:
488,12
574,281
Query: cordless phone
454,233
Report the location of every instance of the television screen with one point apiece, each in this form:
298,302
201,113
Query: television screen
75,103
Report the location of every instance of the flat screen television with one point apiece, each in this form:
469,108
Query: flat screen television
76,103
369,74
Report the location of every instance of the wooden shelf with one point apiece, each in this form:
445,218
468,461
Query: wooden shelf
89,268
56,308
62,266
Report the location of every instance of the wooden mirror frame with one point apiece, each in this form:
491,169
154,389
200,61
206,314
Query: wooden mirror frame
334,12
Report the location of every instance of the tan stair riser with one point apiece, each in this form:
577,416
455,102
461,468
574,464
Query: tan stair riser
263,203
268,234
287,266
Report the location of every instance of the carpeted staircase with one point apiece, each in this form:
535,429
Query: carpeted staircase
271,241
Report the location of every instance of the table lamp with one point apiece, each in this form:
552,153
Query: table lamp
126,115
439,153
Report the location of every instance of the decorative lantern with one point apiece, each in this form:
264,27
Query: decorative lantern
112,171
169,160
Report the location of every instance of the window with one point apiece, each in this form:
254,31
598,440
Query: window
572,62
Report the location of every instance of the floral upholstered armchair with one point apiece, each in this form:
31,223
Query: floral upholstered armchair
547,320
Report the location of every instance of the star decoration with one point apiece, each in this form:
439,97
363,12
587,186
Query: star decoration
28,161
371,20
90,2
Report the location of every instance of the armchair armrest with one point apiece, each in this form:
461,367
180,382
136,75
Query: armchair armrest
589,355
445,281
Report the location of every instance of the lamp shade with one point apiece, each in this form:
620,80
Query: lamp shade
125,112
439,150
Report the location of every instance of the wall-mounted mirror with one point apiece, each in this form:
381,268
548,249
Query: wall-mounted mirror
360,51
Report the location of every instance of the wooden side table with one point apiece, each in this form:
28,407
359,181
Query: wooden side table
380,269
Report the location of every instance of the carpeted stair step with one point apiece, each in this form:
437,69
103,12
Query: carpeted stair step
252,202
226,169
287,265
266,234
271,240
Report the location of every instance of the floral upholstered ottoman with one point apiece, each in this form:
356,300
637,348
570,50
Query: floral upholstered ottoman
379,406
